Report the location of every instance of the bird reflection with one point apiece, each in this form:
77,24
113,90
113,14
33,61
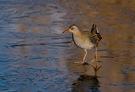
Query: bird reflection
86,83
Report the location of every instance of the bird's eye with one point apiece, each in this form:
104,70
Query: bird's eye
72,28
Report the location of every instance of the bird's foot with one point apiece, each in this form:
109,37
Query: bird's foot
77,62
99,61
92,61
95,59
85,63
81,63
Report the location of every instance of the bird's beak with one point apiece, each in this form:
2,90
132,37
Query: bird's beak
66,31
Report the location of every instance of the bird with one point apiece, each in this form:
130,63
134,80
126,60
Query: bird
86,41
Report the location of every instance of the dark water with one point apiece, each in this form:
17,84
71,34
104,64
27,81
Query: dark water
35,56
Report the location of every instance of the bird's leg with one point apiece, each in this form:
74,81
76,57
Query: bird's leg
84,56
95,56
93,60
83,62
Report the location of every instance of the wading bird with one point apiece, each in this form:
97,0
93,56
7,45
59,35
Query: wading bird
85,41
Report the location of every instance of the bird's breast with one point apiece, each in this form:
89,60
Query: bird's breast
83,42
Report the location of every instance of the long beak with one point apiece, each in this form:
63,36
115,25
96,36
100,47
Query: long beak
66,31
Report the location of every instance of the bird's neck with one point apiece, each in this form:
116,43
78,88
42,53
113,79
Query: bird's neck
78,33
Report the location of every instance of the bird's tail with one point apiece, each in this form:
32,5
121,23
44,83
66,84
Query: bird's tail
95,33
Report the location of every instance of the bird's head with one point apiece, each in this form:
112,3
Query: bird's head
72,29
